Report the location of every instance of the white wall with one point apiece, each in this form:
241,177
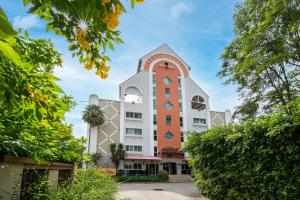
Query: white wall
193,89
140,81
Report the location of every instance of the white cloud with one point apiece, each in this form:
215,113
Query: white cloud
26,22
67,72
180,8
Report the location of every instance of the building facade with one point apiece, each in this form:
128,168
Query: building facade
158,107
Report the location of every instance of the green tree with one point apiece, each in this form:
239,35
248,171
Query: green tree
264,58
255,159
117,153
32,106
89,27
92,115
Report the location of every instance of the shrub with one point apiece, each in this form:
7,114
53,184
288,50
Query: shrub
88,185
164,175
137,178
258,159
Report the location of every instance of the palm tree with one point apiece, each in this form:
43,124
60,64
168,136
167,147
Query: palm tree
93,115
117,153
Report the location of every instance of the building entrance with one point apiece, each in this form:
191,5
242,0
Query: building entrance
152,169
170,167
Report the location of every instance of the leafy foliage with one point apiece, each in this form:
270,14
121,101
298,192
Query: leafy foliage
88,185
258,159
89,27
263,59
32,106
155,178
93,115
117,153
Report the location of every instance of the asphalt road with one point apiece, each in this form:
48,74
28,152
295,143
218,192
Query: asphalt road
159,191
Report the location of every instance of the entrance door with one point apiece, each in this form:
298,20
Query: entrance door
152,169
170,167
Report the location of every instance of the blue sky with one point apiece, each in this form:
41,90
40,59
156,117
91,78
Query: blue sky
197,30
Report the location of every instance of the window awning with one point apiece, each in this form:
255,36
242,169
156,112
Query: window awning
169,150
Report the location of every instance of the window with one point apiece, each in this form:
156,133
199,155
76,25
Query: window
180,107
133,148
133,166
185,169
168,106
199,121
154,91
154,104
167,80
182,136
154,119
134,131
154,79
179,82
167,92
133,115
181,122
168,120
155,135
179,95
169,135
133,95
198,103
155,151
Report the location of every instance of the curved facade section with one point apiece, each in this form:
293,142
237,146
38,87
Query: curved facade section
167,57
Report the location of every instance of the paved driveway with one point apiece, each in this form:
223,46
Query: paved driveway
159,191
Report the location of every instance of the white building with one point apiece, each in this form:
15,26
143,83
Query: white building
157,105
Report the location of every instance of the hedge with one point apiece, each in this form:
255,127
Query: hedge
163,176
88,185
257,159
154,178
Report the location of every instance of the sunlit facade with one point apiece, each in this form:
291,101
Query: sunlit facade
158,107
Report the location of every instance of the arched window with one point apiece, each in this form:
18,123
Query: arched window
198,103
133,95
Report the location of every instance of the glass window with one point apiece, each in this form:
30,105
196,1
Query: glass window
167,92
169,135
154,103
154,91
154,119
155,135
155,151
133,148
181,122
138,131
179,82
154,79
133,115
179,95
198,103
167,80
168,120
180,107
182,136
129,131
137,166
199,121
168,106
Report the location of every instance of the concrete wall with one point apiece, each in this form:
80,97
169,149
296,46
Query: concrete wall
192,89
10,179
139,81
